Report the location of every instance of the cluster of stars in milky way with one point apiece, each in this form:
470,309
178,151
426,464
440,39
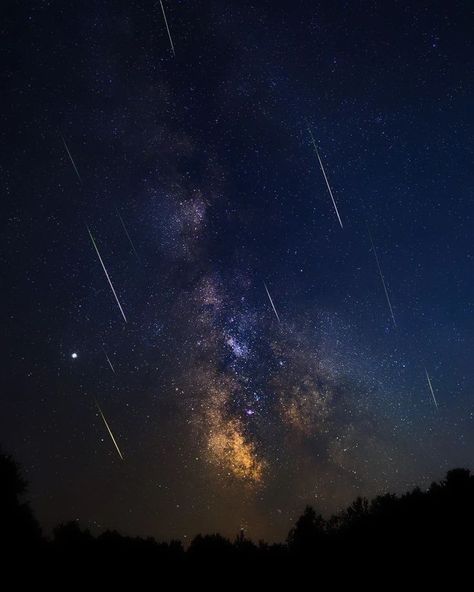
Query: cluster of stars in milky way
238,246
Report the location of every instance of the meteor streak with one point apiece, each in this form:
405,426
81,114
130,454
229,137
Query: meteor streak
167,28
431,388
108,360
128,236
71,159
382,278
106,274
324,175
109,430
271,302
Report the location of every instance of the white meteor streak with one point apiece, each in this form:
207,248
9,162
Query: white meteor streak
109,430
431,388
325,177
107,275
71,159
128,236
167,28
271,302
382,278
108,360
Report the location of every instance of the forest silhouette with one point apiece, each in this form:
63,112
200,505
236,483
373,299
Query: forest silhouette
415,527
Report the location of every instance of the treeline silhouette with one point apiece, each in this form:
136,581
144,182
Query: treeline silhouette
433,524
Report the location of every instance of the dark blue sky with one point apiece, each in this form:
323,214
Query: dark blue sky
225,416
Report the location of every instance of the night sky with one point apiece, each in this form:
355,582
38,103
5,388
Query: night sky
197,178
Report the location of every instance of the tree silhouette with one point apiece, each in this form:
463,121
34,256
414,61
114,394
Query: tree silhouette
18,526
71,536
210,545
308,533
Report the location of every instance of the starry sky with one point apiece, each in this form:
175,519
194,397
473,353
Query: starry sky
198,181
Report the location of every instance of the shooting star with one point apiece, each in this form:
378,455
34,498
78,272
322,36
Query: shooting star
128,236
71,159
109,430
108,360
382,278
167,28
106,274
313,141
271,302
431,388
